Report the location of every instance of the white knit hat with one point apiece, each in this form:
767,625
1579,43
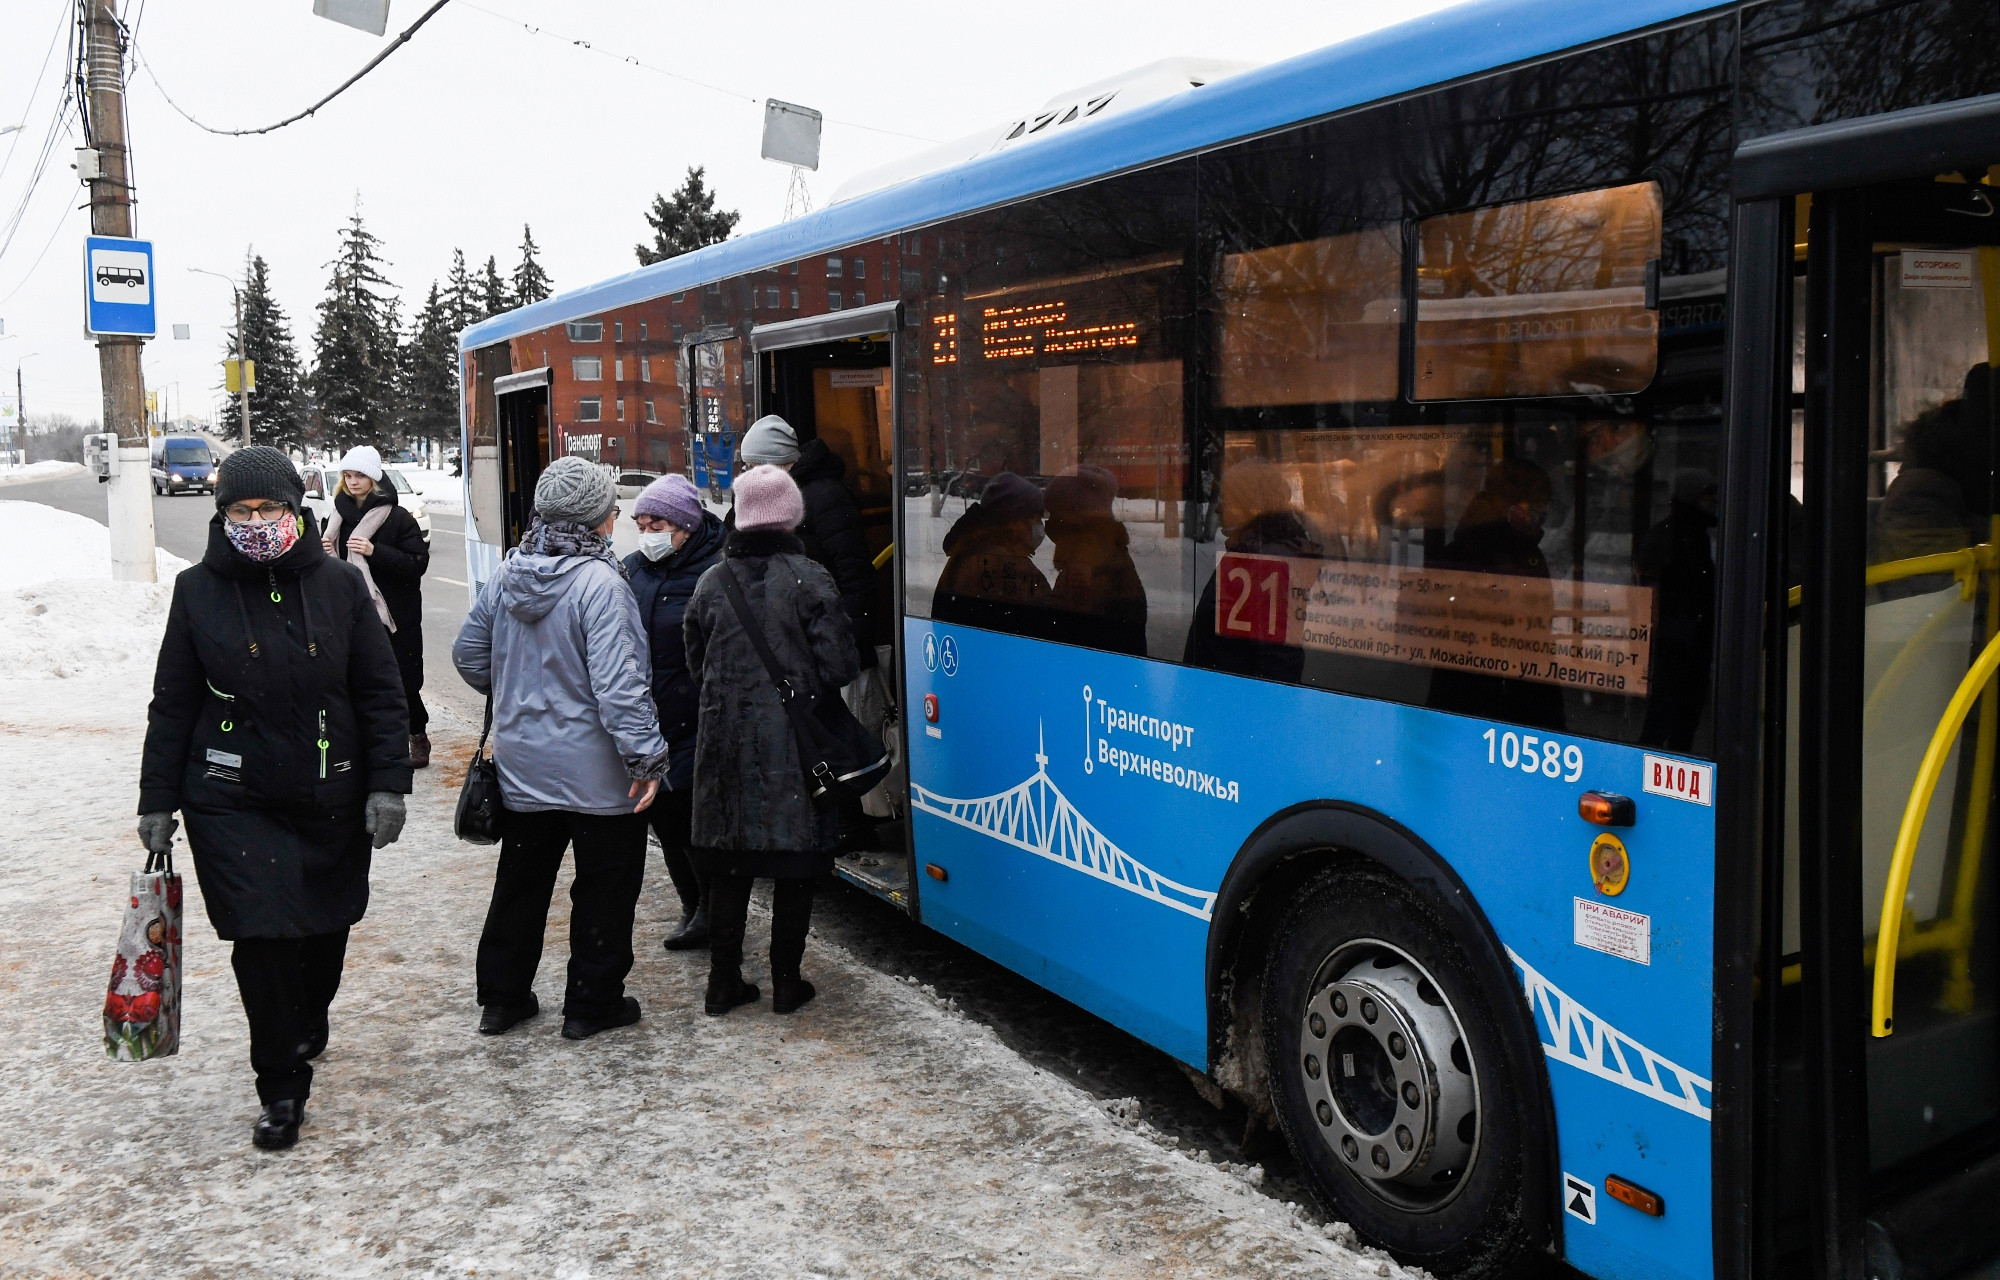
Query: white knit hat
365,459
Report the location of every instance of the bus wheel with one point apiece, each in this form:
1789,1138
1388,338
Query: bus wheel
1394,1081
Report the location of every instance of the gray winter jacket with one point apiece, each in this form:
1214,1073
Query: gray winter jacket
556,640
751,812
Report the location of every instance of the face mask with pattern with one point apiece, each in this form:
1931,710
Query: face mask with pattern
262,541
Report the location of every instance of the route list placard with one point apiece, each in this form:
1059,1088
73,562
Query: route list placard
1581,635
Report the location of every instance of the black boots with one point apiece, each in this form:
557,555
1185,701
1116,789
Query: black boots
788,994
692,935
420,750
495,1019
580,1028
726,991
278,1126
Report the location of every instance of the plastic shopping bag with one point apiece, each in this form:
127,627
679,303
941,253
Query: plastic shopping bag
142,1004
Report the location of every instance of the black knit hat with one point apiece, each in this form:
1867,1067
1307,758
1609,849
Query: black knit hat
259,472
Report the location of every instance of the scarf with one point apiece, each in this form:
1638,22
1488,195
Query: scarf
568,538
366,527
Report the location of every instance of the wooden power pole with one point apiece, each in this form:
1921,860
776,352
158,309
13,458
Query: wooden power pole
124,381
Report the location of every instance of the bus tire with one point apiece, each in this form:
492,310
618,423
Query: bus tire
1396,1084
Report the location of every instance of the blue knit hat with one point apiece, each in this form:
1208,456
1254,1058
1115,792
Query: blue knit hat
673,499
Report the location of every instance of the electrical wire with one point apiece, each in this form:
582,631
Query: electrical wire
57,130
344,86
591,47
48,244
27,108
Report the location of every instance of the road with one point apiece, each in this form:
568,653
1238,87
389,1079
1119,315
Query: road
1050,1032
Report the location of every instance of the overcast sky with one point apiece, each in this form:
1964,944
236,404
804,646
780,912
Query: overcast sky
481,124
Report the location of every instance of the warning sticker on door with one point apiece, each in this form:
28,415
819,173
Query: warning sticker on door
1614,931
1579,1198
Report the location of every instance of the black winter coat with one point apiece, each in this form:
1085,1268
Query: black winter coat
833,535
401,558
663,588
752,815
277,707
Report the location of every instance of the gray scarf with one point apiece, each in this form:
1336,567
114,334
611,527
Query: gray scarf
568,538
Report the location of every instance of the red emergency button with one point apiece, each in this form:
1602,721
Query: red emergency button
930,708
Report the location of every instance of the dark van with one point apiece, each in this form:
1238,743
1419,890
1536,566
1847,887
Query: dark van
182,464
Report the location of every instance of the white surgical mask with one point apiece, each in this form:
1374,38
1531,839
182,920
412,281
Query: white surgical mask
657,546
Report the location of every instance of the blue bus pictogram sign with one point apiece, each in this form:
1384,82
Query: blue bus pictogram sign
118,286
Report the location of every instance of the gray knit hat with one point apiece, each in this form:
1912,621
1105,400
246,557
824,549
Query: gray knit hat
574,490
770,439
259,471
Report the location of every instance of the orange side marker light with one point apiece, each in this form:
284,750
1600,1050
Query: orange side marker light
935,872
1647,1202
1603,809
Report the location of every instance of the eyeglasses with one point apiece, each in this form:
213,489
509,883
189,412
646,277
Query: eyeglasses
269,512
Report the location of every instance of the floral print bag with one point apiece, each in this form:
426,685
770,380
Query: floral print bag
142,1005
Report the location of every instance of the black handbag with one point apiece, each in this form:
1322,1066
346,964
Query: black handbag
478,818
840,756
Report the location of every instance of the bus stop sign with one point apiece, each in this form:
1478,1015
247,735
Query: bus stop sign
118,286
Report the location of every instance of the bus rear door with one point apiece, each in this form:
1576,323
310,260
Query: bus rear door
1884,1009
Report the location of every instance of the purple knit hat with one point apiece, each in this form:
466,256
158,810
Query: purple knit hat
766,498
673,499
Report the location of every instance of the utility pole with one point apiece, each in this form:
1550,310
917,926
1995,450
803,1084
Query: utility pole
124,382
242,366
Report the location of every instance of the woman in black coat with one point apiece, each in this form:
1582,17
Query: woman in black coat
393,557
678,541
277,730
752,816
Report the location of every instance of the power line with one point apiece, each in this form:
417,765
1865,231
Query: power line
591,47
29,105
46,246
345,85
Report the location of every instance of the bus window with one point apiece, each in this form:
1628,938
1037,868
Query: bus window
1553,569
1045,494
1311,323
1547,297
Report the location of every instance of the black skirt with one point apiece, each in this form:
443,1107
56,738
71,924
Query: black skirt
762,864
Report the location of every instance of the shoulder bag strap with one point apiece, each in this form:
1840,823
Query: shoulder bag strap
802,729
485,729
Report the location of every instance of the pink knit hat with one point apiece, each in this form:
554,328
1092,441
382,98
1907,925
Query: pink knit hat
766,498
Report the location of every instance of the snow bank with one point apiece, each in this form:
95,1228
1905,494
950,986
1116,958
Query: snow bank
35,471
43,543
441,490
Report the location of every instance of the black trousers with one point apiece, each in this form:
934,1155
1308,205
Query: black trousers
287,985
729,910
671,817
408,645
610,867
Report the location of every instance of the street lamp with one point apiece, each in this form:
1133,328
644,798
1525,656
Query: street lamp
242,367
12,128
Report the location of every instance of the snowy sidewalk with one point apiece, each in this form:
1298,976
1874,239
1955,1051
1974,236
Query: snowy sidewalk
873,1134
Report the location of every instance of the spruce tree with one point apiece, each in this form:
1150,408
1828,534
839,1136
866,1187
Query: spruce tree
278,407
493,297
461,296
354,371
531,283
686,220
430,371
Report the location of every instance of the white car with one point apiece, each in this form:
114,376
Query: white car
322,481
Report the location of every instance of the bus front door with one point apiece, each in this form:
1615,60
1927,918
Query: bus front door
525,445
1892,974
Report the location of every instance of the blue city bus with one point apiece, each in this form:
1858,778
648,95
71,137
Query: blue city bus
1447,583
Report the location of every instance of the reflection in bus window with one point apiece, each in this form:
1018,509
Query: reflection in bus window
1045,490
1545,571
1540,297
1311,323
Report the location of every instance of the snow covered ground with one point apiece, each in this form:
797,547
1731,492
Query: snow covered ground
876,1133
38,471
440,490
44,543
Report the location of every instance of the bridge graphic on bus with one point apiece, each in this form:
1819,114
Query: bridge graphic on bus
1037,817
1575,1035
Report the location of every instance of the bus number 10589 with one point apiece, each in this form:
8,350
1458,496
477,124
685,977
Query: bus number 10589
1530,754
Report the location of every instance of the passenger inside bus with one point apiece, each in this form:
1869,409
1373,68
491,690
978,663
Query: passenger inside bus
1940,490
1258,518
1500,533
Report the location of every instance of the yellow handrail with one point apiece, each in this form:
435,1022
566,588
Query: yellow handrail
1965,564
883,558
1882,1016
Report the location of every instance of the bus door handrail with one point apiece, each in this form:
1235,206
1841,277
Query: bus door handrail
1965,564
1882,1015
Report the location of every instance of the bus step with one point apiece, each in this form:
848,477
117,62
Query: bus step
886,875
